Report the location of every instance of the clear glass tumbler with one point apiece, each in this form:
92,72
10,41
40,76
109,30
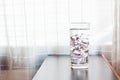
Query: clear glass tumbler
79,45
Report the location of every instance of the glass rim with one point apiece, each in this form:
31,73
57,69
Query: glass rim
80,26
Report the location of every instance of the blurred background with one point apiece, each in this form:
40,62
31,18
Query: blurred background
32,29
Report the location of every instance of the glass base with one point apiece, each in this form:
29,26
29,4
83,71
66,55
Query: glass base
79,66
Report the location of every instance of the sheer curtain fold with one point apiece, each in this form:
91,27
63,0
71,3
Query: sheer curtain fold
116,38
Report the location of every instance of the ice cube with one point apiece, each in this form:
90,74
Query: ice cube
76,52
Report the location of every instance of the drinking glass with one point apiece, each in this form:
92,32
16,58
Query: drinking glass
79,45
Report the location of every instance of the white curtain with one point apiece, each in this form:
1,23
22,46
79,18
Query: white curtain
29,28
116,38
28,23
44,24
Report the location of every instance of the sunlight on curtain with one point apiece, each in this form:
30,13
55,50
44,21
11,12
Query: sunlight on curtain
44,24
100,15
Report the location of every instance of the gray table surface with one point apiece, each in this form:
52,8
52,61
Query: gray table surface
59,68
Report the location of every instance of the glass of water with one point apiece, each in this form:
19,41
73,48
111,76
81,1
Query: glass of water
79,45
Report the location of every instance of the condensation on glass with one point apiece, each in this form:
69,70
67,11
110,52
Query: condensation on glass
79,44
